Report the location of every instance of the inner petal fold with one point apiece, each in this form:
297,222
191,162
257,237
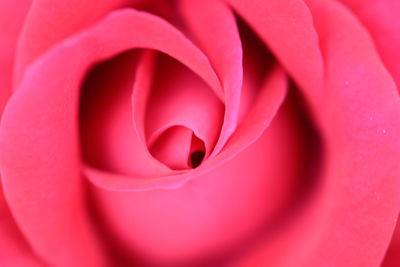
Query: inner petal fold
213,26
109,139
58,166
178,148
180,97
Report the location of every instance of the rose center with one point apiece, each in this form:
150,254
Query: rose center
178,148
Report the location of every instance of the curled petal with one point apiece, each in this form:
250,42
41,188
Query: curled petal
270,98
357,203
12,17
286,27
180,97
173,147
110,139
49,22
214,26
14,251
40,157
381,20
225,206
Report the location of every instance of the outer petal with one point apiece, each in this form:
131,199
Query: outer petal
213,25
49,22
13,247
40,157
381,20
12,16
286,27
349,220
14,251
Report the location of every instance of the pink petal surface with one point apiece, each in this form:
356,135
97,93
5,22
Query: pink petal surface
13,247
193,206
349,220
40,157
110,140
218,210
271,95
214,26
259,99
180,97
49,22
9,31
286,27
381,20
173,147
360,189
14,251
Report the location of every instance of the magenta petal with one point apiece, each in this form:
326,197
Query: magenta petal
180,98
271,96
12,16
142,162
14,251
224,207
173,147
286,27
110,140
49,22
214,206
349,220
213,25
381,19
40,157
362,122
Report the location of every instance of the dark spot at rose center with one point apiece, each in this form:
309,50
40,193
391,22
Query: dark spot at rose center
196,158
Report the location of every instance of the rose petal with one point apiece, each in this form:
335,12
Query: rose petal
173,147
49,22
14,251
349,220
271,96
260,94
12,16
218,210
381,20
286,27
180,97
143,232
110,141
214,26
39,156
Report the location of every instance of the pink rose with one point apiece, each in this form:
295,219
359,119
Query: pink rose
199,133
